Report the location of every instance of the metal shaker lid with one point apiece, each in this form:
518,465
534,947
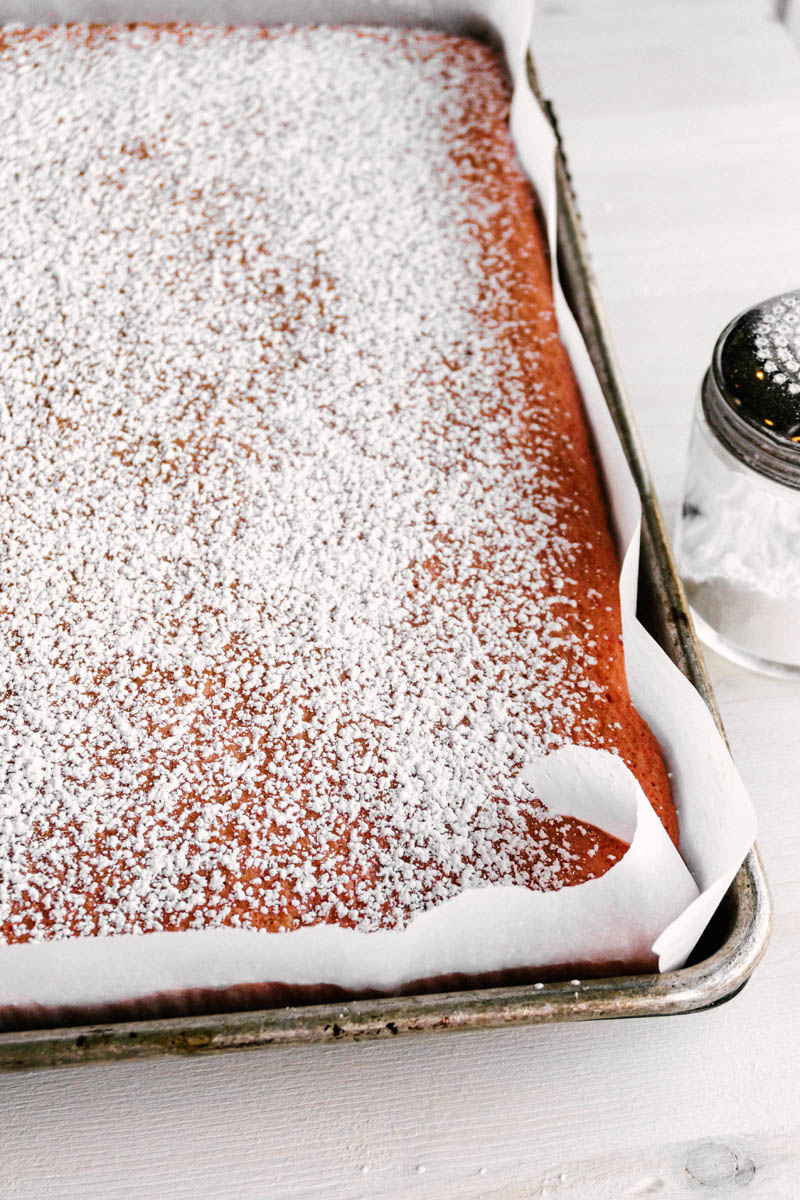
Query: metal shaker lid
751,393
757,366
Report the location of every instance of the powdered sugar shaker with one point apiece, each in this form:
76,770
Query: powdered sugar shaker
738,540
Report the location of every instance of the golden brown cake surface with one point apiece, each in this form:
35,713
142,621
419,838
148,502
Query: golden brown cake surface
304,552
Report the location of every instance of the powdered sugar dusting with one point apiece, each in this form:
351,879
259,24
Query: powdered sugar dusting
287,571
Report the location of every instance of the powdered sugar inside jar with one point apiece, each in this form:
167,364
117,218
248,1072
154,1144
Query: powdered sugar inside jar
738,540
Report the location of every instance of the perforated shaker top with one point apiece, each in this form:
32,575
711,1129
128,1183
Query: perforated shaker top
757,366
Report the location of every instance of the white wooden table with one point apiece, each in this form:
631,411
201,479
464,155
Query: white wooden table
682,124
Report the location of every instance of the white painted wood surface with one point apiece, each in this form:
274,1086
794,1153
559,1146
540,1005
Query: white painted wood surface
790,14
682,123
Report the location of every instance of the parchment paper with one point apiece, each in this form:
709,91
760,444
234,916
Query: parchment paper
653,902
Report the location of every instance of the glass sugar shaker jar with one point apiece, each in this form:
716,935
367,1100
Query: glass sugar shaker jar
738,539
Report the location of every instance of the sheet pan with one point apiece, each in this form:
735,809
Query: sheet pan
733,941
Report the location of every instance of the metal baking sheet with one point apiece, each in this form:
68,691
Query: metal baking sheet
721,964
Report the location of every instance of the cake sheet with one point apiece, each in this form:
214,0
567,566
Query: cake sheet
649,908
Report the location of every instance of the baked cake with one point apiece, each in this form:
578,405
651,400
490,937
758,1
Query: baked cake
305,552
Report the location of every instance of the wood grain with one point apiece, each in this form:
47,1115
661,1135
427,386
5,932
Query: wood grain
682,124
